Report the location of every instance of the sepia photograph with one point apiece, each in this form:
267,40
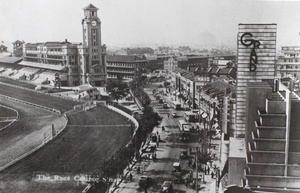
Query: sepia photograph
149,96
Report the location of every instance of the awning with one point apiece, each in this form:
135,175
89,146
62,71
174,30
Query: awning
42,65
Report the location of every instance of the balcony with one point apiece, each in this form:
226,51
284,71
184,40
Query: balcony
32,51
55,53
56,59
116,66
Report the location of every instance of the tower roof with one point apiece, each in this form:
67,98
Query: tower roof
90,6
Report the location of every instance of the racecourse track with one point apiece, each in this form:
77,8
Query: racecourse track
89,138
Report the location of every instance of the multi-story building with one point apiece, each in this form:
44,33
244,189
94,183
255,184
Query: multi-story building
75,63
186,84
191,63
157,62
125,66
273,146
288,62
171,64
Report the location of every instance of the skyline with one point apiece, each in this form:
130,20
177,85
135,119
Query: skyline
147,23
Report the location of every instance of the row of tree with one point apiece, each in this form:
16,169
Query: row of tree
149,119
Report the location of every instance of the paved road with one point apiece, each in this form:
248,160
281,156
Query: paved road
168,152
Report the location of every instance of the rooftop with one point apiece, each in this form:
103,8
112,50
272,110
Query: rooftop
11,60
90,6
184,73
124,58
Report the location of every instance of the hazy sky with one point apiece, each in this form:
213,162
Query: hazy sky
147,22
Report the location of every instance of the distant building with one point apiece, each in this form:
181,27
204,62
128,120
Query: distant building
191,63
125,66
288,64
171,64
18,48
221,60
223,73
156,62
3,48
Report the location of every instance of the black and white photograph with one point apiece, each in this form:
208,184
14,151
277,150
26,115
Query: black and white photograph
149,96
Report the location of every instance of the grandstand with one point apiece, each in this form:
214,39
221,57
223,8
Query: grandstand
8,72
28,72
45,77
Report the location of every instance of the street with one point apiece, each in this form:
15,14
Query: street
168,152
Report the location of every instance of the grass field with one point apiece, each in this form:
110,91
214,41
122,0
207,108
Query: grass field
26,133
16,82
89,139
38,98
6,112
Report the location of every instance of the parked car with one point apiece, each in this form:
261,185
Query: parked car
167,187
144,181
183,154
174,115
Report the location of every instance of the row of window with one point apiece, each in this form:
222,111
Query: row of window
290,60
126,77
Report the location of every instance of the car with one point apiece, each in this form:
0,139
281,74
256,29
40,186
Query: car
183,154
165,105
144,181
167,187
174,115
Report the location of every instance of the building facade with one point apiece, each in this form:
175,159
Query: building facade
288,62
125,66
256,63
76,63
273,146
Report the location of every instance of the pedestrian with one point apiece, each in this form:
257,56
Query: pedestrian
138,169
190,163
208,169
130,176
205,170
158,137
212,174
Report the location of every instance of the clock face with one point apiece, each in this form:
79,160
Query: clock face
94,23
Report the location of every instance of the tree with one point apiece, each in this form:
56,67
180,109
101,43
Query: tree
149,120
118,90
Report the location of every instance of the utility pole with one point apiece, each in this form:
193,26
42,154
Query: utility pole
197,169
199,107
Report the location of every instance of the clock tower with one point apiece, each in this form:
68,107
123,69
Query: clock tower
93,66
